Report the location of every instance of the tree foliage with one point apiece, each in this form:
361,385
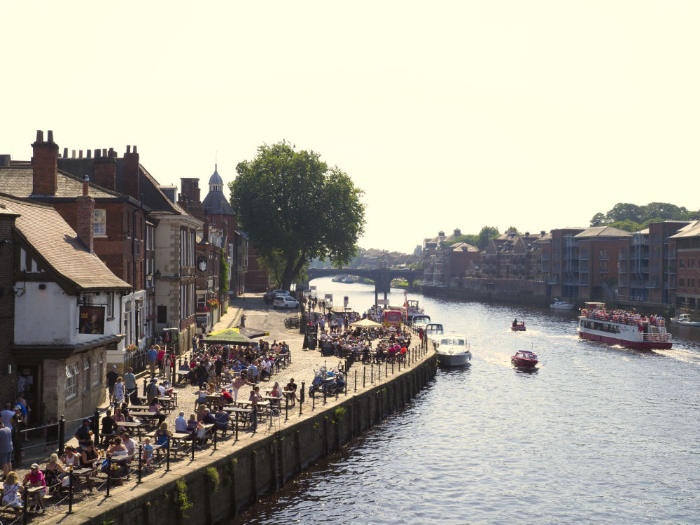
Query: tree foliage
485,235
626,215
295,208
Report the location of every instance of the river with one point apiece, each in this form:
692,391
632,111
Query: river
597,434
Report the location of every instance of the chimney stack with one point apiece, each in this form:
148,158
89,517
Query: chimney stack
130,174
105,171
65,153
44,165
84,216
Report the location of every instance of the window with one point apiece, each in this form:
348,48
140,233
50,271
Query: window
71,382
99,222
162,314
86,371
681,282
110,305
95,372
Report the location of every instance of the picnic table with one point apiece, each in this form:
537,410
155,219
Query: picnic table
137,425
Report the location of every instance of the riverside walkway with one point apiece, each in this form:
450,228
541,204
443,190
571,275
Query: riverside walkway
87,506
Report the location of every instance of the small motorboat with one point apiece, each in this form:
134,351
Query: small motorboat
433,329
524,359
558,304
684,320
518,326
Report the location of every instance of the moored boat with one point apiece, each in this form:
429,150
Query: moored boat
452,350
524,359
618,327
434,329
518,326
558,304
684,320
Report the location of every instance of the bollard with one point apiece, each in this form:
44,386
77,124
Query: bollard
355,382
96,426
215,432
144,387
371,373
109,473
236,427
364,376
392,368
193,438
336,392
61,434
286,408
325,394
346,387
313,403
70,490
167,457
25,499
386,369
140,461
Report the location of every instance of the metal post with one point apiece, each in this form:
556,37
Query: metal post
70,491
144,387
167,457
364,376
386,369
109,473
346,385
215,431
140,461
96,426
25,498
194,436
61,434
371,373
355,381
325,394
236,426
313,403
286,409
392,368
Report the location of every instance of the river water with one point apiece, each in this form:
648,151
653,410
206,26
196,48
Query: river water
597,434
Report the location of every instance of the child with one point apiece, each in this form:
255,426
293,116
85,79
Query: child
148,452
11,495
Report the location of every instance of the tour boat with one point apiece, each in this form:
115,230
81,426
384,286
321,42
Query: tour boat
518,327
420,320
452,350
524,359
618,327
684,320
558,304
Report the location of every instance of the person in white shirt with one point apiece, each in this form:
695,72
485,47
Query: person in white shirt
181,423
8,415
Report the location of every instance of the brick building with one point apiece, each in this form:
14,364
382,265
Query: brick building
65,312
686,246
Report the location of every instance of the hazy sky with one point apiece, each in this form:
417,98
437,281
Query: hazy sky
447,114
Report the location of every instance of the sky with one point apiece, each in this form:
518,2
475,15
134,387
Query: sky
535,114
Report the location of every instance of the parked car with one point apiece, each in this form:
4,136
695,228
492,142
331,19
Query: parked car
285,301
271,294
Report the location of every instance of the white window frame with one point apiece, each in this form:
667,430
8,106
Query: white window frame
71,383
99,223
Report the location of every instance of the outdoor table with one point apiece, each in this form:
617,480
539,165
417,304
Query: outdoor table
84,475
138,407
131,424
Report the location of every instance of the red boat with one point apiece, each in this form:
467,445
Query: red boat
518,326
524,359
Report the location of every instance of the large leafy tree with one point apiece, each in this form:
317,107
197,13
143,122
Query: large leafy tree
295,208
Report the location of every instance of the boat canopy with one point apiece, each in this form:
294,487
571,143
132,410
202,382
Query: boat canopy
453,340
594,304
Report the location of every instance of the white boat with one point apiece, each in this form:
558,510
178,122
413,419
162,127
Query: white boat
684,320
558,304
433,330
618,327
452,350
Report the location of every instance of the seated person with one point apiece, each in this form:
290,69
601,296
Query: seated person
109,426
129,444
54,472
162,436
221,419
156,408
35,478
84,433
208,418
192,423
291,391
181,423
88,458
12,493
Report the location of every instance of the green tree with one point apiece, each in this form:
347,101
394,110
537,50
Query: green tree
623,211
485,235
512,231
296,208
599,219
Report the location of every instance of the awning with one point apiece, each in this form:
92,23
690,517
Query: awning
366,323
229,336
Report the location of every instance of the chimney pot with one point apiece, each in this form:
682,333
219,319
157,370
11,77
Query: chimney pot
80,154
128,149
72,154
65,153
50,138
86,185
98,153
39,135
135,149
104,152
89,154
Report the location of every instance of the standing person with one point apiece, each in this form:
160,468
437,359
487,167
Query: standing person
112,376
254,399
131,386
8,416
238,382
152,358
119,391
6,448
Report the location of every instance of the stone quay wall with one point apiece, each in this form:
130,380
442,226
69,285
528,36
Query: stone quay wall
512,291
216,491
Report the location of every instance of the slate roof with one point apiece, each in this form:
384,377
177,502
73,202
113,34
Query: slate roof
46,231
216,178
464,247
602,231
691,230
18,180
215,203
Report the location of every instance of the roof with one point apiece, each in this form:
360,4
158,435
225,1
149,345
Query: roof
215,203
60,247
691,230
216,178
18,181
602,231
464,247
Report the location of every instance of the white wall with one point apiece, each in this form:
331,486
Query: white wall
50,316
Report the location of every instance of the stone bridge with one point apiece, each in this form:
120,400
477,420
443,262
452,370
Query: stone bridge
381,276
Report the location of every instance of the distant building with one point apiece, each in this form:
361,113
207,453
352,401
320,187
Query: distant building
685,245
